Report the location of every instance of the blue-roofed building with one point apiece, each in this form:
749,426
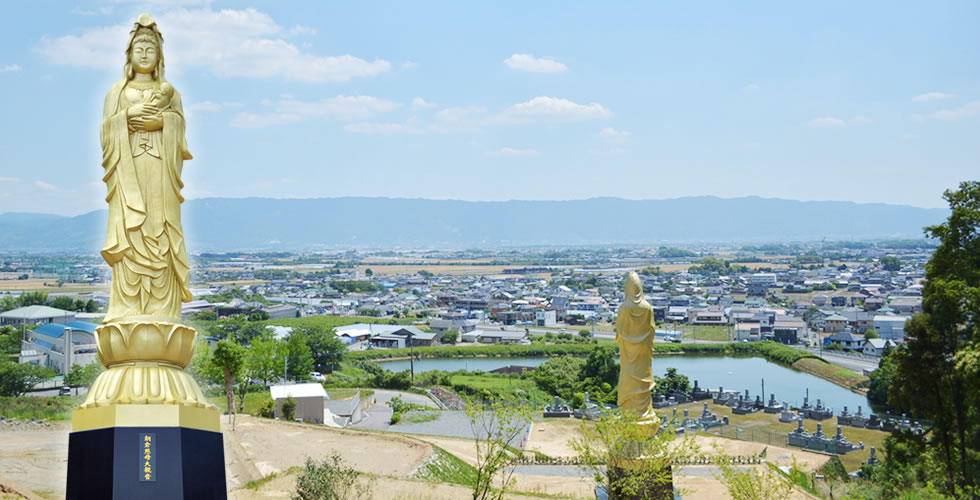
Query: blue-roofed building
45,345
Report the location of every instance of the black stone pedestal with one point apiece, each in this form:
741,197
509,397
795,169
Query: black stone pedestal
146,463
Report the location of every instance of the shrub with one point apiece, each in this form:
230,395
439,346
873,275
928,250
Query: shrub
268,410
396,417
330,479
289,408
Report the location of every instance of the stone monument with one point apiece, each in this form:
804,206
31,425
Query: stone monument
145,430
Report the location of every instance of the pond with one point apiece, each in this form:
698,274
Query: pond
739,373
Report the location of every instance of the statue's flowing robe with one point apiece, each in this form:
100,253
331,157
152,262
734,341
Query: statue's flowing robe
635,332
144,241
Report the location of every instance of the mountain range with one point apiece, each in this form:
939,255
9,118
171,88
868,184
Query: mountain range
222,224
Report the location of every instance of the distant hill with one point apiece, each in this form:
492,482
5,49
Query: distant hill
216,224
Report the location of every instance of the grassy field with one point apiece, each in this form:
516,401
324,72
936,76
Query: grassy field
253,401
703,332
836,374
50,408
760,426
499,386
47,285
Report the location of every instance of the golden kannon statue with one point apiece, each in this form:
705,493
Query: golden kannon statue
635,332
142,341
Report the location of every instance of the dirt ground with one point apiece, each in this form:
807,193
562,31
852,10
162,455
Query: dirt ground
36,460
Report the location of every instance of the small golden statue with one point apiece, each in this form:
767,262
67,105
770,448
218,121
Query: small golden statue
142,341
634,333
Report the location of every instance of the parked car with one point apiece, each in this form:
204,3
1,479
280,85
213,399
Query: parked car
318,377
64,391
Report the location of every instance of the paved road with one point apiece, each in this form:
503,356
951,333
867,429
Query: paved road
850,362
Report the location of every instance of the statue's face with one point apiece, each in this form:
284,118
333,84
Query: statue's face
144,57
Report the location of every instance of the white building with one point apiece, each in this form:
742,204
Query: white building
309,400
890,327
766,279
33,315
46,345
545,318
876,347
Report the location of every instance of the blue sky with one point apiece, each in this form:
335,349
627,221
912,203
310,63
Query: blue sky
856,101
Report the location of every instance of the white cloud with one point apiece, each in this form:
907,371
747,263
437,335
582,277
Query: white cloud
211,106
826,122
290,110
10,68
300,30
527,62
512,152
44,185
751,88
932,96
9,179
227,43
418,104
613,136
459,113
967,110
543,107
860,120
380,128
407,65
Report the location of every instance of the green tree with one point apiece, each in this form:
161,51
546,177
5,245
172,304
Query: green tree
265,358
231,358
91,306
300,361
881,381
559,375
204,316
83,376
496,428
289,409
891,263
258,315
449,337
672,382
326,350
10,338
871,334
37,298
16,378
368,272
936,369
7,303
601,365
64,303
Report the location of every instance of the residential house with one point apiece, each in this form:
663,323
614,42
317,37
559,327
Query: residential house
502,337
847,340
787,330
834,323
876,347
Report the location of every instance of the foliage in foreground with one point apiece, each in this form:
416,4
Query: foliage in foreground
619,439
496,427
331,479
937,370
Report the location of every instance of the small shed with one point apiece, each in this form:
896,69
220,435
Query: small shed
309,400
